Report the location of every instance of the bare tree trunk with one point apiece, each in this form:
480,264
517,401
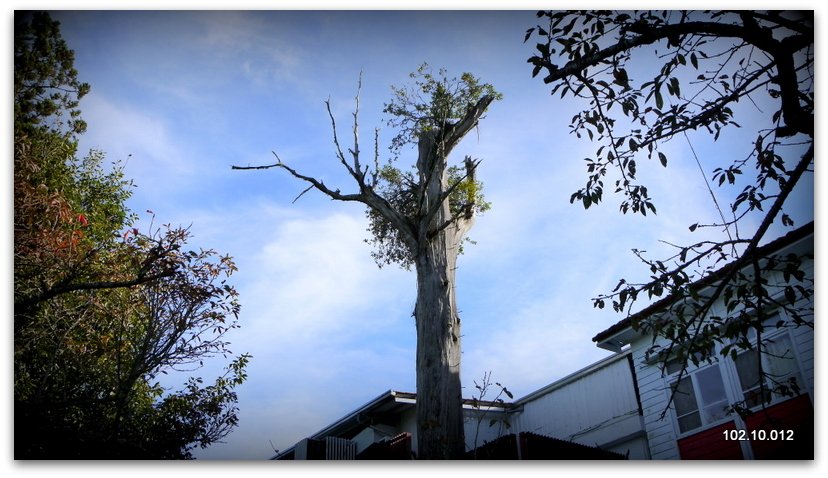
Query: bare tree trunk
439,400
439,395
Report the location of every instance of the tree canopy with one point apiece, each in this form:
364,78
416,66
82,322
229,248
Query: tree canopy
432,103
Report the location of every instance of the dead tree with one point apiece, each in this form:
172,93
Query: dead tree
430,227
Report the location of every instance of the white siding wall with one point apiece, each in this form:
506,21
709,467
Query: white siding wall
804,343
408,423
660,433
371,435
596,409
803,338
486,433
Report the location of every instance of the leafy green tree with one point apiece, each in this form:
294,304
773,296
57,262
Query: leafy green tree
46,86
419,217
102,309
707,64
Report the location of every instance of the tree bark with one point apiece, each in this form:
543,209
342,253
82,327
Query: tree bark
439,395
439,400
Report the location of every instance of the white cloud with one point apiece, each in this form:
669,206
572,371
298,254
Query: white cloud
262,50
143,140
312,275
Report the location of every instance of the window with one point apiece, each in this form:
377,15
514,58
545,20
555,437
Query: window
704,395
779,368
700,398
687,411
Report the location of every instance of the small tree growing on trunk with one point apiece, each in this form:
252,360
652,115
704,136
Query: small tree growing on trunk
420,218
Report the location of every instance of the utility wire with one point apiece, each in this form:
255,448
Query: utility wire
709,188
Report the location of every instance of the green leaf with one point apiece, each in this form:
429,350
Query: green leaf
676,88
573,197
536,70
662,158
621,78
790,295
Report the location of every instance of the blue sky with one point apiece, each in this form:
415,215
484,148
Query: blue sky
182,96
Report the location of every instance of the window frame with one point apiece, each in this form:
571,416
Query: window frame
692,373
770,335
